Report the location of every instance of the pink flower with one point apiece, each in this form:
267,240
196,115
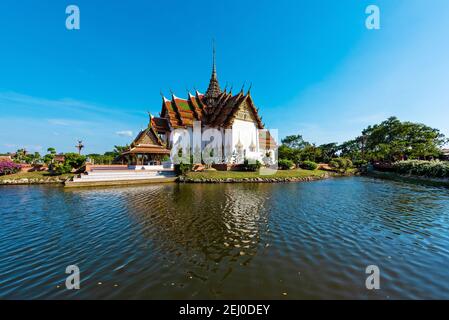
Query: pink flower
9,167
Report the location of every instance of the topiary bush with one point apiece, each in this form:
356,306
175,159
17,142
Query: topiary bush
60,168
308,165
74,160
285,164
341,164
183,168
251,166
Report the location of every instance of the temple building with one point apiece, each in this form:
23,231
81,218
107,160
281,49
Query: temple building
217,109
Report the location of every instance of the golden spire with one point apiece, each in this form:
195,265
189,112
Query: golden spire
214,87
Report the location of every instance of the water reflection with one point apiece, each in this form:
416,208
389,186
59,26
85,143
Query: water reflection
205,224
310,240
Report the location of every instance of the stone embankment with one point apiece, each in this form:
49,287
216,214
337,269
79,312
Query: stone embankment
252,180
27,181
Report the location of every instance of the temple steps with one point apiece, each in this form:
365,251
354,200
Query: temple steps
125,177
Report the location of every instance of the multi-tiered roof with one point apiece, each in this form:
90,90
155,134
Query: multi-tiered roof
216,109
212,111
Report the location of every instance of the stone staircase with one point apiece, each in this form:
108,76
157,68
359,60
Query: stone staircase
120,177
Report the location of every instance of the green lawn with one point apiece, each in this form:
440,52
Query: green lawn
296,173
33,175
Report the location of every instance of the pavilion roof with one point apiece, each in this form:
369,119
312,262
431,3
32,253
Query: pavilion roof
147,149
148,140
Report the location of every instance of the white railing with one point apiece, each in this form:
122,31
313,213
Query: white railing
161,167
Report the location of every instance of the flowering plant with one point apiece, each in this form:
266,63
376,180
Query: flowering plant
9,167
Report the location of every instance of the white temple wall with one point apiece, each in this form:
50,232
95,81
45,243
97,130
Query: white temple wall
246,132
181,138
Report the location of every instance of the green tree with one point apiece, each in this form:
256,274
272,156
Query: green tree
295,142
352,149
118,150
287,153
341,164
35,158
50,156
292,148
74,160
21,156
328,151
310,153
394,140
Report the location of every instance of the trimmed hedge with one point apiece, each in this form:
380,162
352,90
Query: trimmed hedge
432,169
285,164
183,168
341,164
251,166
308,165
60,168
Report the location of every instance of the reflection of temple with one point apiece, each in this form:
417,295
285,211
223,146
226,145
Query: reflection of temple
217,109
208,222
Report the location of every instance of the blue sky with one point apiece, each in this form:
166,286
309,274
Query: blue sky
314,67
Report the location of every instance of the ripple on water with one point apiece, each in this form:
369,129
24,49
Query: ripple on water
299,240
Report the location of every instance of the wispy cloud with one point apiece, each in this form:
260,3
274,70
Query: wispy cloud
67,122
37,148
13,100
13,147
60,123
125,133
9,145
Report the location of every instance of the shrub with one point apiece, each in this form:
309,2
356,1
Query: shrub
251,166
285,164
340,164
308,165
183,168
432,169
60,168
74,160
360,163
9,167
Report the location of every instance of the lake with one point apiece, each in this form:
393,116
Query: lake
309,240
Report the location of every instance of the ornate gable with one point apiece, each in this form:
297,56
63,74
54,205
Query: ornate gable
245,113
245,110
148,138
